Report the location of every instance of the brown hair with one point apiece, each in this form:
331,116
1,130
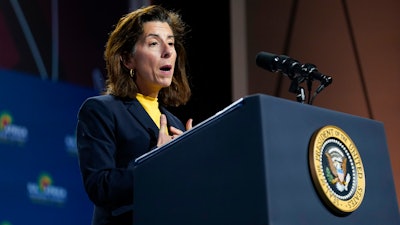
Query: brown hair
122,41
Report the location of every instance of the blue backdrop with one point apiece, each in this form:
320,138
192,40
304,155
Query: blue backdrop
40,181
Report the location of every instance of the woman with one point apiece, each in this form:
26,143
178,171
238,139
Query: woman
145,61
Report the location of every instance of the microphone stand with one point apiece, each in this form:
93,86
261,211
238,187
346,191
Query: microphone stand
309,71
309,88
298,77
297,89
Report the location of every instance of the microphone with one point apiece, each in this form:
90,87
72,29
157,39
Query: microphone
296,71
315,74
292,68
279,63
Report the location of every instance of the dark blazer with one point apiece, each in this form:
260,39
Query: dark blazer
111,133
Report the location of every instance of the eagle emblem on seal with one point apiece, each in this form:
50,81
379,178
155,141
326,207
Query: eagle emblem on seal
336,172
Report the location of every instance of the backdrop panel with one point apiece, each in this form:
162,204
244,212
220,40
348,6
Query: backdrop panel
40,179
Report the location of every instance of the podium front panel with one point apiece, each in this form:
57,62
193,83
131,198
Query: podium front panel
249,165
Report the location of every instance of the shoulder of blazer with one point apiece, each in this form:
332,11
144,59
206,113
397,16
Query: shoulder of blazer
112,100
105,104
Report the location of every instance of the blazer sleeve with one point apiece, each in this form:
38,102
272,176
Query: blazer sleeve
106,185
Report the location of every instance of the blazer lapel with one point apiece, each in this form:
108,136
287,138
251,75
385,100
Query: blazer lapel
171,120
136,110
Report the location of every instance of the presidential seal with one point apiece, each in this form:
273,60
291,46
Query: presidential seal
337,170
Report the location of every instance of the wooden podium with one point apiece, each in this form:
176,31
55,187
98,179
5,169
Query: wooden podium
252,164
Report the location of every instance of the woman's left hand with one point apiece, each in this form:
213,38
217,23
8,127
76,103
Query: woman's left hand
163,137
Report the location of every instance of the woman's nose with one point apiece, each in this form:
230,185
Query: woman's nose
167,52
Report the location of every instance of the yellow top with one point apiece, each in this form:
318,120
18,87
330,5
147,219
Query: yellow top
150,104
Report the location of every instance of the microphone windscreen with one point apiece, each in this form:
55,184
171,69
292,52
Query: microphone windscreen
266,60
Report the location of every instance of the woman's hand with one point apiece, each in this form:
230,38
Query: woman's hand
164,137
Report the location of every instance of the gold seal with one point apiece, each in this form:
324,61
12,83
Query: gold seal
337,170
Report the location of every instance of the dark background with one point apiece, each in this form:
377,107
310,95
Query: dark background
83,28
208,49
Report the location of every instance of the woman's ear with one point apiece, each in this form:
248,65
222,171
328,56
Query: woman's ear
127,60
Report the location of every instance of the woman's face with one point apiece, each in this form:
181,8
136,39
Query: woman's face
154,58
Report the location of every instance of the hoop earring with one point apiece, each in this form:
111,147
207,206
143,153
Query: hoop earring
132,73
